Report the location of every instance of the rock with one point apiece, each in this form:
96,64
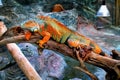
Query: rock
5,58
12,73
75,79
118,47
49,65
29,50
3,49
2,75
100,73
10,3
26,2
6,61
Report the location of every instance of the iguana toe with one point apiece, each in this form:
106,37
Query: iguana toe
41,43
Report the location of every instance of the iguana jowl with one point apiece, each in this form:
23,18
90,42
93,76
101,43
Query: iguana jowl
51,28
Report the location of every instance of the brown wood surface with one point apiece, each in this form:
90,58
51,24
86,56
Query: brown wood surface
117,12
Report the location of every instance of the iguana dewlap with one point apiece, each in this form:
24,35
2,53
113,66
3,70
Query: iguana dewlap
51,28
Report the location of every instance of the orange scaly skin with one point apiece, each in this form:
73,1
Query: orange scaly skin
58,8
51,28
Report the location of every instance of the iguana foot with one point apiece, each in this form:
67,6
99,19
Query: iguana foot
41,42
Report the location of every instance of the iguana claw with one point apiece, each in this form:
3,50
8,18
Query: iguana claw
40,42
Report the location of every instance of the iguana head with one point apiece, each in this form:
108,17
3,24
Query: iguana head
31,25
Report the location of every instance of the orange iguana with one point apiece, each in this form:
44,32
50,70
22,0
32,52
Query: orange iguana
51,28
58,8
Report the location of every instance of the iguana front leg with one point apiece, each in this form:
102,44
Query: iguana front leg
46,36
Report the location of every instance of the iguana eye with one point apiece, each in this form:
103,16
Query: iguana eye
35,30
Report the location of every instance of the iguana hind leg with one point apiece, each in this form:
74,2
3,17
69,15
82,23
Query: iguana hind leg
46,36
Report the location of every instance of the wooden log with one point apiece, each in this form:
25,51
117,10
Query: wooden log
3,28
117,12
22,62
